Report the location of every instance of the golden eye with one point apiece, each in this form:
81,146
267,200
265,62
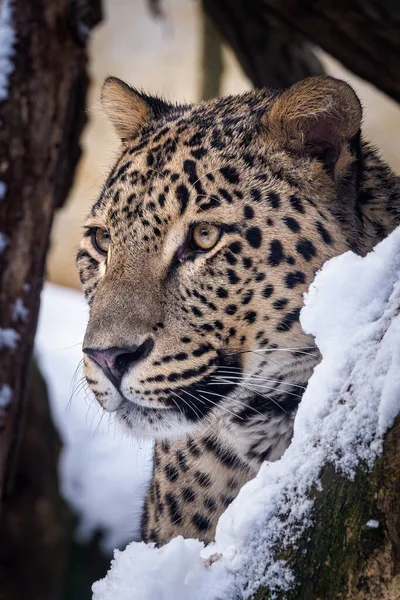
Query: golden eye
205,236
101,240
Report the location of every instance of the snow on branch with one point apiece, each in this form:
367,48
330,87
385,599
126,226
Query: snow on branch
7,41
351,400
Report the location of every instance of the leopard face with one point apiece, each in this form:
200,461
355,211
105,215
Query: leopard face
197,254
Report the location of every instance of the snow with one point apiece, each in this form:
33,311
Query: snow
3,190
351,400
7,41
3,242
19,311
8,338
104,475
5,396
372,524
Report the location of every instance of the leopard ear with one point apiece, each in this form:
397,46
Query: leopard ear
129,111
317,116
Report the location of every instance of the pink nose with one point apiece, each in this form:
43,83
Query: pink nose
115,362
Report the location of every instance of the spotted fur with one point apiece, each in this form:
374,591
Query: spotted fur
290,183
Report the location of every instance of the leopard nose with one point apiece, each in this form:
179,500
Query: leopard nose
115,362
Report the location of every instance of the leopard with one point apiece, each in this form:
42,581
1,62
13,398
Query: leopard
195,260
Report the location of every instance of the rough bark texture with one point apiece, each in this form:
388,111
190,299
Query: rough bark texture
363,34
340,558
270,53
41,122
36,526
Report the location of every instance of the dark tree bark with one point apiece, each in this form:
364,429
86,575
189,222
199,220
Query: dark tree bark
362,34
36,526
270,53
339,557
41,122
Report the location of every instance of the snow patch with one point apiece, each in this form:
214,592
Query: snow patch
351,400
7,41
19,312
5,396
372,524
3,190
104,474
3,242
8,339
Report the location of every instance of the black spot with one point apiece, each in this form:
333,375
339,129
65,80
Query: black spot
274,199
280,304
296,204
232,276
193,448
202,479
260,277
293,278
225,194
290,318
185,340
182,461
171,473
235,247
230,174
196,139
201,523
306,248
247,296
326,236
292,224
188,494
255,194
173,508
230,258
247,262
276,254
222,293
268,291
199,153
248,212
254,237
202,349
182,194
250,316
196,311
231,309
210,504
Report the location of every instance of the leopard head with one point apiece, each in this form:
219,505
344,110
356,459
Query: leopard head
206,234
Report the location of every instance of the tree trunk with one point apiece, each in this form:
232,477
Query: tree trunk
36,526
41,122
340,558
362,34
270,53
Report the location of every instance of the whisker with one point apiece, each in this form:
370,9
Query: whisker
221,407
255,385
266,379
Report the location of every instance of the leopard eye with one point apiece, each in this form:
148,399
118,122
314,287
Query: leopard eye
101,240
205,236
